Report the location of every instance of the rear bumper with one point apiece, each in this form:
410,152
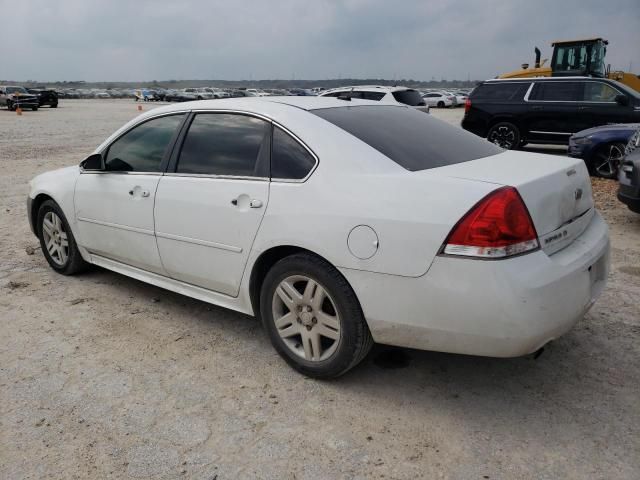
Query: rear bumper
502,308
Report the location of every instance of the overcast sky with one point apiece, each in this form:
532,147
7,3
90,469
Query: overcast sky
133,40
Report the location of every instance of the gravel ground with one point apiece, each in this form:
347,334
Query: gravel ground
102,376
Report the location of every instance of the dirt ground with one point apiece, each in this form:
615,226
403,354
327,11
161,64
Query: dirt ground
102,376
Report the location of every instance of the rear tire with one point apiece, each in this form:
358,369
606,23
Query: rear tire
35,109
313,317
57,241
606,160
10,106
55,105
440,104
505,135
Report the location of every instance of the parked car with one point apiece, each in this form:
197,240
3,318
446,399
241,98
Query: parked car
629,175
382,94
178,96
602,148
438,99
514,112
13,97
45,96
509,254
144,95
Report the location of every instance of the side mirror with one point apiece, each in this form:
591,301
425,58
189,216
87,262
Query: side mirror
622,100
93,162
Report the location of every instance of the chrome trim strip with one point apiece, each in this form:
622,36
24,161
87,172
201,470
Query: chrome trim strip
526,95
221,177
526,98
116,225
550,133
196,241
118,172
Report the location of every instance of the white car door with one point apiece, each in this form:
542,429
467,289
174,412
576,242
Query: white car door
114,207
210,205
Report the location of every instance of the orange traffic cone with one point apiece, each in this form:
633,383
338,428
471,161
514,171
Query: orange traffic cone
18,111
139,108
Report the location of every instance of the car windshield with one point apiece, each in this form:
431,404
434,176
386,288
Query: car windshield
409,97
412,139
16,90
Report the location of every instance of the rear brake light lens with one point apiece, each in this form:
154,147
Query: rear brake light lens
498,226
467,105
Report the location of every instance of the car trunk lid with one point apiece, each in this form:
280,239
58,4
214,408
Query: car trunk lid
556,190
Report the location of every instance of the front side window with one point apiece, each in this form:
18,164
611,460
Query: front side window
289,159
599,92
557,91
226,144
142,148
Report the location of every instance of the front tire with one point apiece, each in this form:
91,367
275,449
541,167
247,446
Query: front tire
35,109
57,241
313,317
440,104
606,160
505,135
10,106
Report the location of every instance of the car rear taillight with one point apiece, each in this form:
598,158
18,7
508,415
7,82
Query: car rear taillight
498,226
467,105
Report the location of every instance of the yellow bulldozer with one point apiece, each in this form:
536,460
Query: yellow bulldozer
576,58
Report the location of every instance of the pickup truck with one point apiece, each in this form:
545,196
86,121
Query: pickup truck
13,97
45,96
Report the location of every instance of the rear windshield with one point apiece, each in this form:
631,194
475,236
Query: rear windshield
500,92
409,97
411,138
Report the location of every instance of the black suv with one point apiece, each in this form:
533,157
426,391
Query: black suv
514,112
45,96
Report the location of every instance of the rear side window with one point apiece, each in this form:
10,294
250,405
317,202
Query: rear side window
500,92
142,148
557,91
225,144
289,159
377,96
412,139
409,97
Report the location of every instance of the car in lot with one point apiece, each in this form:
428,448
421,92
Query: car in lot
629,175
438,99
337,223
179,96
546,110
45,96
602,148
13,97
382,94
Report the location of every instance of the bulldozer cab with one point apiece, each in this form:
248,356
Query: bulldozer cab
579,57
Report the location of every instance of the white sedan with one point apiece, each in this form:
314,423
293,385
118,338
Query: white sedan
338,223
438,99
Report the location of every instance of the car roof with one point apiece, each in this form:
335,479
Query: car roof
546,79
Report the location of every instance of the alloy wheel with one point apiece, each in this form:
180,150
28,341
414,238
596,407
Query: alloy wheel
306,318
503,136
55,238
607,161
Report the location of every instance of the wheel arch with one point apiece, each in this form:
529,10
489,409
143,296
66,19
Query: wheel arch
263,264
34,208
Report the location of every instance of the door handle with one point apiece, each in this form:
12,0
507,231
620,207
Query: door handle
583,108
536,107
255,203
143,193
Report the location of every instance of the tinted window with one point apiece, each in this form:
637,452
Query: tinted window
599,92
408,97
289,159
410,138
500,92
225,144
557,91
142,149
377,96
